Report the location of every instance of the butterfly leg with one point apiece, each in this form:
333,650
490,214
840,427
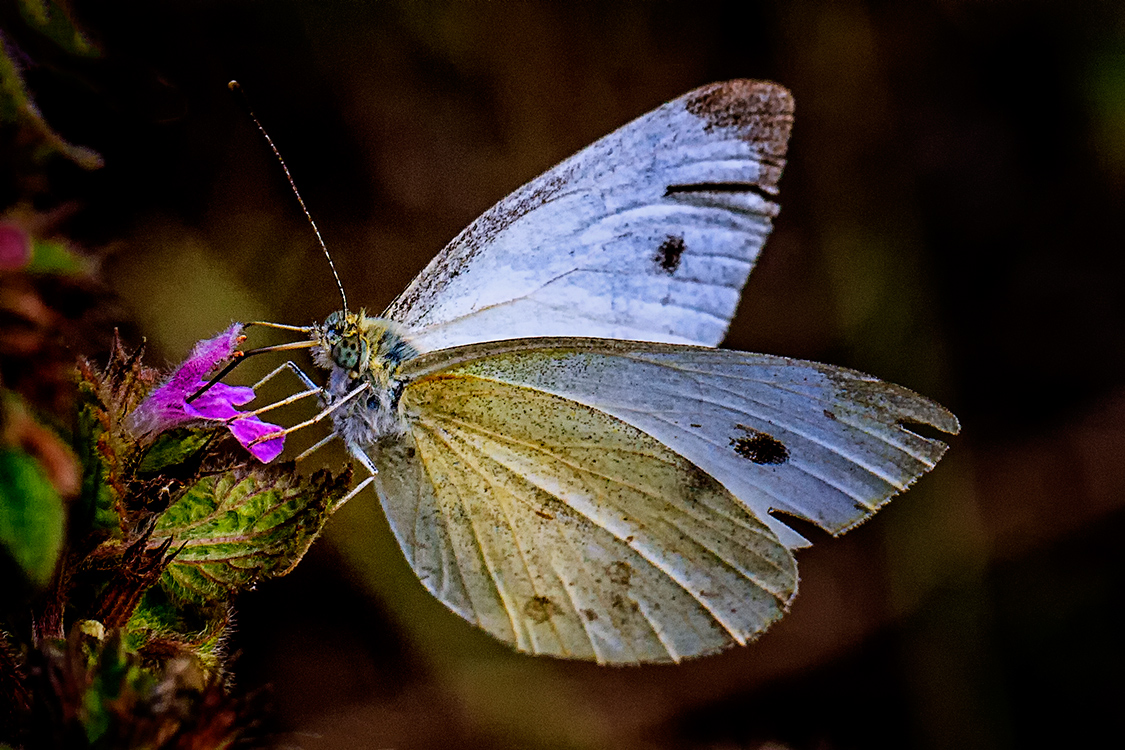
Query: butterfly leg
308,422
317,446
312,389
292,367
360,456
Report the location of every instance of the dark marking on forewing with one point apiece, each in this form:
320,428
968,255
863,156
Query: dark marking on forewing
539,609
830,415
620,572
759,447
590,615
760,111
460,252
669,253
718,187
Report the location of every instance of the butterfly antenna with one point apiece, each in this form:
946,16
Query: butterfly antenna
237,88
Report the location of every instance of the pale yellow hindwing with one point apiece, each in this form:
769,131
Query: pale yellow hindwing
565,531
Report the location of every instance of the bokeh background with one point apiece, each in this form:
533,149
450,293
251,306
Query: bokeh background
953,220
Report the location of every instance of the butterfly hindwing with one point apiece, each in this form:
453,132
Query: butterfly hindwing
564,531
647,234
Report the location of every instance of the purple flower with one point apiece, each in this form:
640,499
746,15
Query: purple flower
167,406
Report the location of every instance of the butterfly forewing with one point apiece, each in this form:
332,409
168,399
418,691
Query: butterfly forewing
564,531
647,234
823,443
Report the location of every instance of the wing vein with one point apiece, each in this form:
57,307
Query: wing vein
448,524
468,453
773,384
501,590
581,470
792,425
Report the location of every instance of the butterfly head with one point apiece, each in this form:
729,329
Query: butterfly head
342,342
359,344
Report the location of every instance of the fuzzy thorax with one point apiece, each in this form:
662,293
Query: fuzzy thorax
358,350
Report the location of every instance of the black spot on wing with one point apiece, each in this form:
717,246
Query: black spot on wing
759,447
669,253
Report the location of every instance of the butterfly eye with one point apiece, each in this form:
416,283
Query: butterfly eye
349,352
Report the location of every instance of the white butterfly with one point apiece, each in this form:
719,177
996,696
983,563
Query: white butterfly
608,497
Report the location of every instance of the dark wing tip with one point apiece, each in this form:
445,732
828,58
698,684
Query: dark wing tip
916,409
947,421
761,112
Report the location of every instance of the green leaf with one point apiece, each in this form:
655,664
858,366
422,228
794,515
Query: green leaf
236,529
116,681
173,447
32,515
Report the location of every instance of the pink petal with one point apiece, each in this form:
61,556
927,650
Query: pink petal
249,429
167,407
216,402
205,355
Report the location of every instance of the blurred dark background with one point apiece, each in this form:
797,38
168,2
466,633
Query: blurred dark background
952,220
